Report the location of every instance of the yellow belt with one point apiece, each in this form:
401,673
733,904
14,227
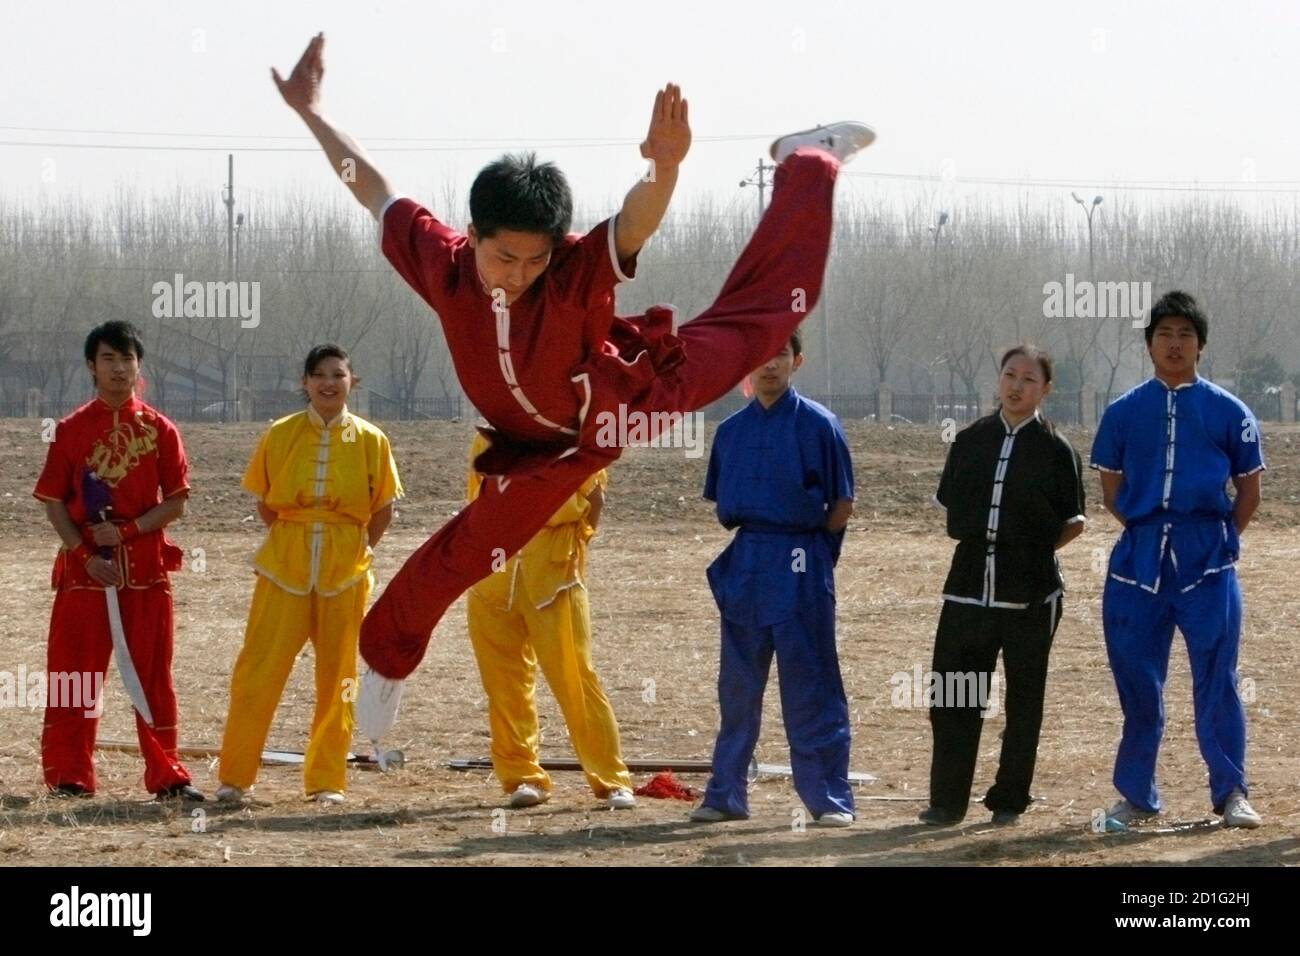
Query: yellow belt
313,515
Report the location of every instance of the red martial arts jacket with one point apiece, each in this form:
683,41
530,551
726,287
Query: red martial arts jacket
138,452
513,363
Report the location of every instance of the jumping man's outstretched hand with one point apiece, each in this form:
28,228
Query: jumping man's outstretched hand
669,138
349,161
302,89
665,146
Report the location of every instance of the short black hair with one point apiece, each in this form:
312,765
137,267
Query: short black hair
1177,304
796,342
321,352
119,335
517,192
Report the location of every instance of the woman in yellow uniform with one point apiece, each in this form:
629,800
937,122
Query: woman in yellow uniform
533,611
325,482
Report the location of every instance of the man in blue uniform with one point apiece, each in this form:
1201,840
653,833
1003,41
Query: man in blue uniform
1166,451
780,472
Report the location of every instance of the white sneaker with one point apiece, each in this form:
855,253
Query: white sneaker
707,814
528,795
1238,813
835,819
841,140
328,796
230,795
376,709
1125,813
621,799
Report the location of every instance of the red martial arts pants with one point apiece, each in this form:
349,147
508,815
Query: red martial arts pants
773,285
81,644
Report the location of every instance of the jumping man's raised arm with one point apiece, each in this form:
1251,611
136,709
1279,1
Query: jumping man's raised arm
665,146
349,161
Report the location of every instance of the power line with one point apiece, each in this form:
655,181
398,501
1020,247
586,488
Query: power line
1221,186
611,140
475,144
454,143
465,147
162,147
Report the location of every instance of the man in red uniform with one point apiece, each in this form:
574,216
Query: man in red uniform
138,454
528,314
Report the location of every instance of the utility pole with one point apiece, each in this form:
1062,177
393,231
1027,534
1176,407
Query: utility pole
230,215
759,179
231,407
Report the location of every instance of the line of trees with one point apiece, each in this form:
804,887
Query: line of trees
919,304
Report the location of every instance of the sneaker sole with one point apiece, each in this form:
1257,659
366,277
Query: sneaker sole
870,136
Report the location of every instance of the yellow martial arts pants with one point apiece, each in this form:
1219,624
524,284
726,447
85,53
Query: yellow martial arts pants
279,624
509,646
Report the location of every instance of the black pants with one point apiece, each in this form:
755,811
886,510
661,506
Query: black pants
965,657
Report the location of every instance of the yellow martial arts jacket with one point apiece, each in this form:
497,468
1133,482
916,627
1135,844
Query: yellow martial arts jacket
556,557
323,481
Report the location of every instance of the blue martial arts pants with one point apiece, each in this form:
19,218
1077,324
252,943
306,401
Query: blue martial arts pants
1139,630
813,704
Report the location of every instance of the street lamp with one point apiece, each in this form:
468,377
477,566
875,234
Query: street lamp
1088,210
938,229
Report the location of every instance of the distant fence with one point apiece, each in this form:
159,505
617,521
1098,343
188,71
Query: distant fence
1064,408
847,407
258,408
416,409
935,408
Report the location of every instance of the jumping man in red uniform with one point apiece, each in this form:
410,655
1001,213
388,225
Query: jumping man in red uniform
528,314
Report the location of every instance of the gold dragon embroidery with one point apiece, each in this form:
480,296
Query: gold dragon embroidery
115,455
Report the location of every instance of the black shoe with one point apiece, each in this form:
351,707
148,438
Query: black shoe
71,790
934,817
182,791
1005,818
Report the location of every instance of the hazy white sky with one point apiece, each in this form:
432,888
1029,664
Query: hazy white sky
1086,93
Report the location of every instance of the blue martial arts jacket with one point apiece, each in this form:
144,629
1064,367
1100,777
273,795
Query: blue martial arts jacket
774,473
1177,448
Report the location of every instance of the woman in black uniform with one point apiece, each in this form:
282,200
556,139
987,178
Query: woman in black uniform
1013,492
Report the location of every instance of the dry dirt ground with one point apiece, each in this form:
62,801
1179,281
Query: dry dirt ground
655,622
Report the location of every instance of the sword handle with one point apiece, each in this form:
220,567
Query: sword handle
105,551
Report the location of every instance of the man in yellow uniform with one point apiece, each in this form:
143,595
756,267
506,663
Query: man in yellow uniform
325,481
533,611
